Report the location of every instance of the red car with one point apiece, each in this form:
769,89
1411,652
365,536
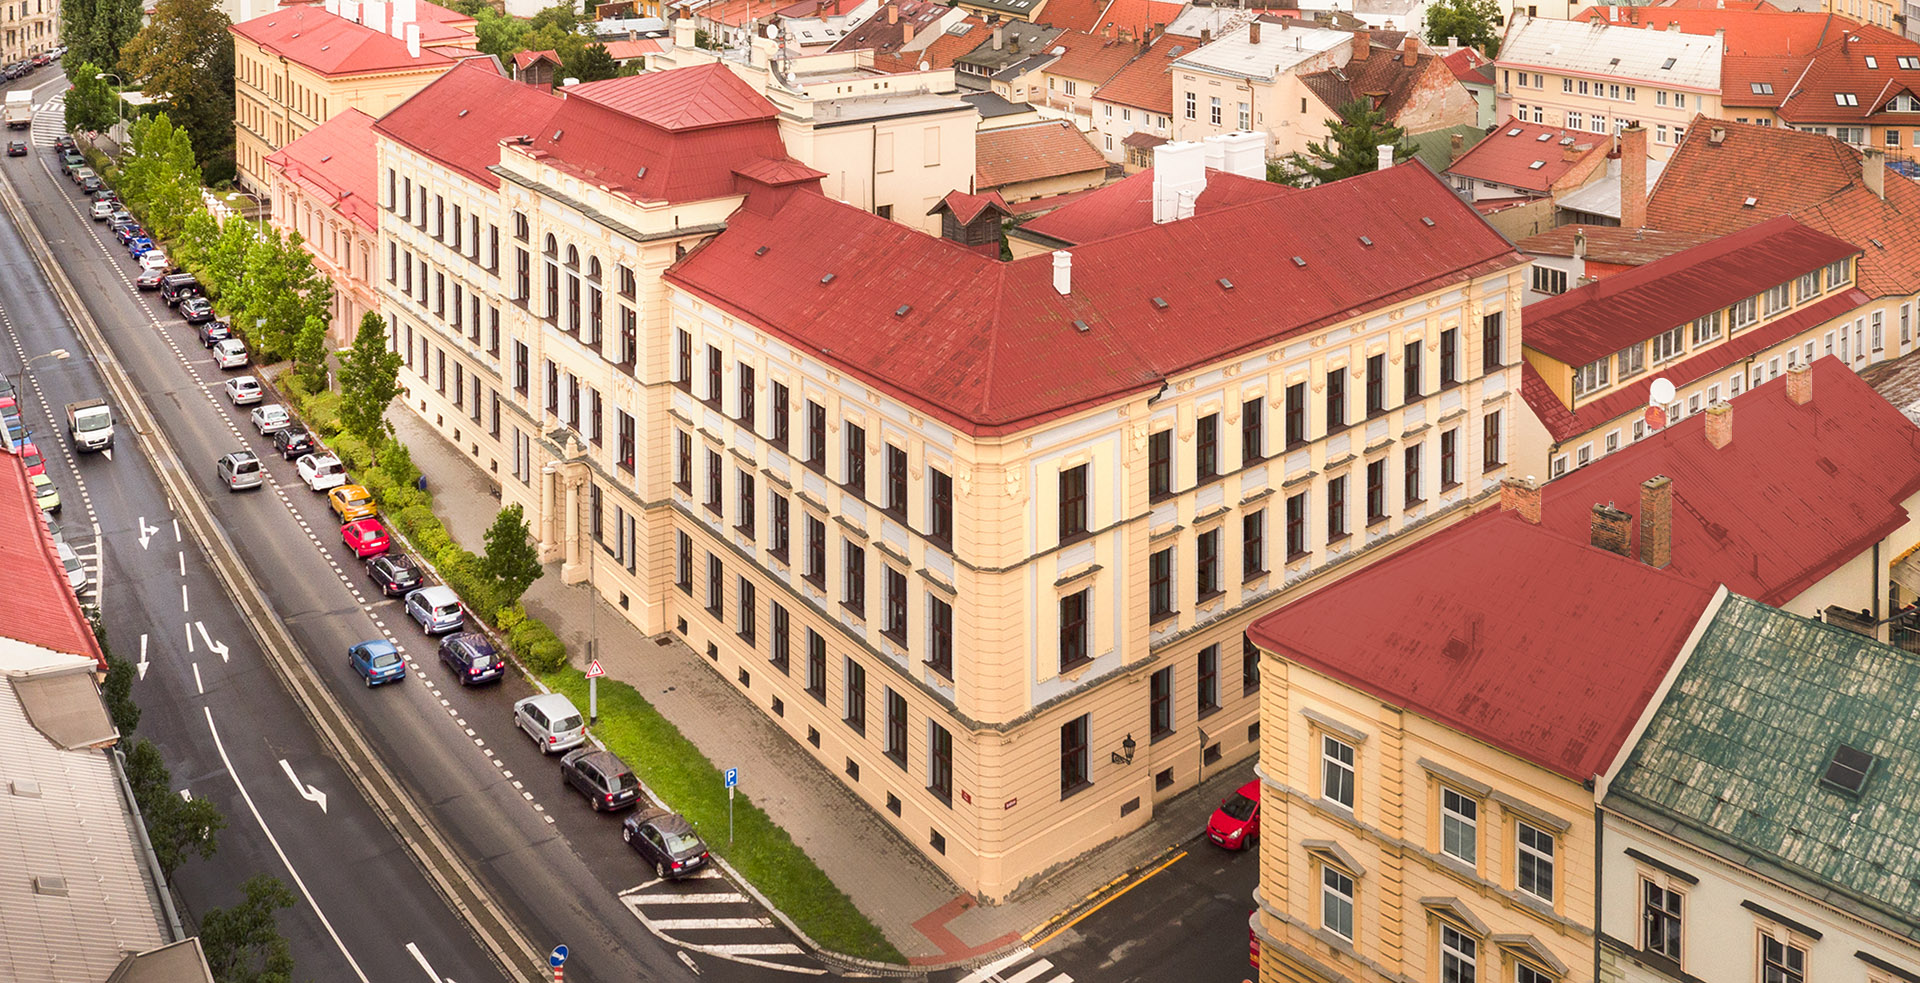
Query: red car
36,464
1236,824
365,537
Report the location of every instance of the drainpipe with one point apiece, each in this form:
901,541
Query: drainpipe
146,846
873,166
1878,593
1599,882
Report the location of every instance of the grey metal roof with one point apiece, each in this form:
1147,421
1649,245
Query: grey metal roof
66,708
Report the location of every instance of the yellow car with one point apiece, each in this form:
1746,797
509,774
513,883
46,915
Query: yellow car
352,502
48,495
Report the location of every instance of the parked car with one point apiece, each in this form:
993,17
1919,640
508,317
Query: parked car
30,456
102,207
321,471
436,608
16,148
71,161
47,495
149,279
292,440
91,183
472,658
120,214
667,841
178,287
76,574
365,537
62,144
244,390
270,418
351,502
154,259
394,573
230,354
1236,824
377,661
240,470
552,722
602,777
126,231
196,309
214,332
137,246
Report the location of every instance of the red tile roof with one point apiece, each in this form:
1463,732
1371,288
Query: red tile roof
523,60
1839,74
1813,178
1548,652
1598,319
1508,155
1145,82
1138,18
877,34
1799,492
942,53
1564,425
812,8
335,163
624,50
1090,57
966,207
40,609
461,117
332,45
1613,245
991,348
736,13
1749,32
1127,206
1011,154
1071,15
1386,75
1468,66
1758,81
682,99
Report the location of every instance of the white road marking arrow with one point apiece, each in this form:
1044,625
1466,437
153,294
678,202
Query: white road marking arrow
307,792
217,648
107,453
142,666
146,532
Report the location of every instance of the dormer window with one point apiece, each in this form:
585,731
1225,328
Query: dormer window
1761,88
1845,99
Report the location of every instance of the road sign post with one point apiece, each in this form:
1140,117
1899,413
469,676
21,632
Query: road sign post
558,960
594,672
733,779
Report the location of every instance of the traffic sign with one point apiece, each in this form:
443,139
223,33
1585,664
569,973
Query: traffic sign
558,957
733,777
594,671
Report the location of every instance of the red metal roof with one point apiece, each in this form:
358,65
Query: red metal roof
1853,81
461,117
682,99
966,207
1748,32
624,50
990,347
332,45
1138,18
1011,154
1466,65
1799,492
1596,320
1127,206
41,609
1613,245
1813,178
522,60
1549,651
335,162
778,171
1509,154
1563,424
1145,82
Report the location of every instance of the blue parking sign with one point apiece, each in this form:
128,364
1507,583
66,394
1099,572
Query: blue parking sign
733,777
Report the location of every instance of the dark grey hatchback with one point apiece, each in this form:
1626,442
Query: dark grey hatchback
602,777
472,658
665,840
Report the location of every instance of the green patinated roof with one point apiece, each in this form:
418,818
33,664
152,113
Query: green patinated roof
1435,147
1738,749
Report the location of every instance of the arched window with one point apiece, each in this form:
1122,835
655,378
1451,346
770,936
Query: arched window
552,247
593,268
573,256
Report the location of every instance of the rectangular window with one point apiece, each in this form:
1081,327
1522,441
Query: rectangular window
1548,280
1206,448
1160,703
1459,826
1591,376
1336,771
1449,357
782,426
940,763
856,698
1744,313
1073,503
1249,665
940,507
1412,378
1073,629
1296,414
897,728
1075,736
1192,112
1207,664
1778,299
745,498
816,437
940,636
1376,384
1160,465
1208,580
1630,361
1296,526
683,461
897,482
683,563
1490,441
816,569
1492,347
1459,956
1533,869
1253,544
1253,443
1213,110
1336,902
1660,918
1160,585
780,530
716,586
855,468
894,595
782,637
748,604
1781,961
1411,490
1336,399
715,483
853,586
744,409
1706,328
816,665
1336,508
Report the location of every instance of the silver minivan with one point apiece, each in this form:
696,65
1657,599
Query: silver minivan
551,721
240,470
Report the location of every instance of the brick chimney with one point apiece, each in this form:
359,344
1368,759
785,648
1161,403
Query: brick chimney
1253,32
1720,424
1612,530
893,13
1362,41
1656,521
1410,51
1521,495
1873,171
1456,147
1800,384
1633,177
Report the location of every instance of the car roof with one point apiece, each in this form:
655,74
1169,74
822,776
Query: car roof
606,761
367,523
377,645
553,704
664,821
437,594
243,456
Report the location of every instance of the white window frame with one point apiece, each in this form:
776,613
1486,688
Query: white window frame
1331,764
1669,345
1456,818
1523,851
1743,314
1333,898
1460,948
1706,328
1591,376
1789,942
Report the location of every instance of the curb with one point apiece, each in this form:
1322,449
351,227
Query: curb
450,876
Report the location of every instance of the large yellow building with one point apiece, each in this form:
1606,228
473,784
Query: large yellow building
299,66
29,27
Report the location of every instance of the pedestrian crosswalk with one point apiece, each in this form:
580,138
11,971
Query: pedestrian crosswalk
1015,968
49,120
89,554
706,913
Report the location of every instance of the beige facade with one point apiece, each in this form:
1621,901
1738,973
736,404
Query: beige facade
1598,77
1214,94
343,249
29,27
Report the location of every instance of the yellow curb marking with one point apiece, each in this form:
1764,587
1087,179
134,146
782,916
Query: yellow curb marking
1142,879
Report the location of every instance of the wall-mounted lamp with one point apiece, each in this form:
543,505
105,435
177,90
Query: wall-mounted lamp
1124,756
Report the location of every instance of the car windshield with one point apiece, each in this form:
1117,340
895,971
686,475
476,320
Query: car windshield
621,781
1239,807
246,467
382,659
680,843
326,467
445,610
570,722
366,534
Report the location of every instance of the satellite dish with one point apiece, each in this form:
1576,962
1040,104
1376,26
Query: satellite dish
1660,393
924,64
773,32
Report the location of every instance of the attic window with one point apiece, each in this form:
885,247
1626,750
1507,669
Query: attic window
1544,137
1847,770
326,158
1300,262
826,279
1081,326
1750,202
1761,88
762,251
1174,52
902,310
50,885
1428,222
640,173
556,135
1365,241
1872,62
1566,141
1845,99
1226,284
1615,63
1514,132
1663,65
1536,165
1877,244
463,112
1160,303
1909,61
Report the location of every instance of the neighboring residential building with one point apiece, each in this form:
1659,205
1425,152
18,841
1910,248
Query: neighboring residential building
1576,255
323,187
298,66
1082,63
1597,77
1412,88
1713,320
1865,93
1529,160
901,30
937,47
1250,78
1475,72
1133,110
1138,20
1021,163
541,68
1732,844
1009,49
1235,173
1729,176
30,27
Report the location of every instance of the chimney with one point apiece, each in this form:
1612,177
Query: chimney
1579,244
1062,272
1656,521
1457,147
1633,177
999,36
1109,31
1179,171
1873,171
1253,32
1410,51
1362,42
1453,44
1206,35
906,33
1611,530
413,40
1521,495
1569,154
1716,136
1673,27
1386,155
893,13
1800,384
1720,424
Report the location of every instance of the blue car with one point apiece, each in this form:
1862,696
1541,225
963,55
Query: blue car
377,661
138,245
127,234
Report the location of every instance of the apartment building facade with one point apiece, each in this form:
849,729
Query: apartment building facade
322,186
29,28
1597,77
1250,77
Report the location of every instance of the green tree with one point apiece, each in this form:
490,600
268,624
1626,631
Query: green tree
499,35
91,101
243,944
511,559
1474,23
310,354
113,24
117,691
1351,148
158,174
226,261
369,379
592,64
185,55
76,30
198,235
178,827
278,290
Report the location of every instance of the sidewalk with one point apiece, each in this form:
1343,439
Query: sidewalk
918,908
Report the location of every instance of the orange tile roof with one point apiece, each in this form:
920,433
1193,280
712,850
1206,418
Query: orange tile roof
884,37
1508,156
1090,56
1749,32
332,45
1071,15
1758,81
1468,66
942,53
335,163
1138,18
1145,82
1012,154
1851,82
1813,178
1613,245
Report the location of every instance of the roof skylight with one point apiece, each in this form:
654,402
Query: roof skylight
1666,64
1845,99
1847,770
1761,88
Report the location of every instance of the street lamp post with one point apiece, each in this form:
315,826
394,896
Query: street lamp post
119,105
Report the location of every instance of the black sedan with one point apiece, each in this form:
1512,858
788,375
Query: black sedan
292,442
395,575
197,310
472,658
16,148
665,840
